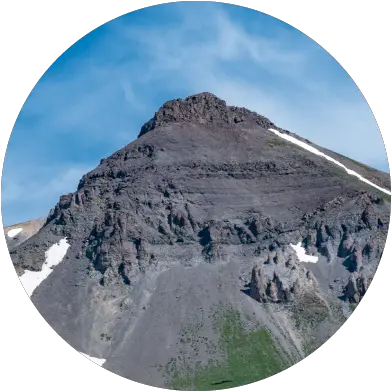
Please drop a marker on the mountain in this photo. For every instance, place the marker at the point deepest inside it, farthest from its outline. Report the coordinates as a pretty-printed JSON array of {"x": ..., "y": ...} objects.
[
  {"x": 215, "y": 250},
  {"x": 18, "y": 233}
]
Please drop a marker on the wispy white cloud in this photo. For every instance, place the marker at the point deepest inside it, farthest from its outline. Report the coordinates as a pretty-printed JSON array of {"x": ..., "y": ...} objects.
[
  {"x": 270, "y": 75},
  {"x": 94, "y": 100}
]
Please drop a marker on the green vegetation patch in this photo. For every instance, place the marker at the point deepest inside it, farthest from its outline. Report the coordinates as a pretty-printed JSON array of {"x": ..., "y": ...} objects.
[
  {"x": 250, "y": 356},
  {"x": 310, "y": 311}
]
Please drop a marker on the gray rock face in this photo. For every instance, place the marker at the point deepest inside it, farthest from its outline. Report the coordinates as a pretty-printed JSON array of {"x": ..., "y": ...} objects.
[
  {"x": 356, "y": 287},
  {"x": 204, "y": 109},
  {"x": 280, "y": 278},
  {"x": 206, "y": 193}
]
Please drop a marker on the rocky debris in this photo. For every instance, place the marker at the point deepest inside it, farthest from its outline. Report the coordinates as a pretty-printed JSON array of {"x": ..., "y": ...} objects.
[
  {"x": 356, "y": 287},
  {"x": 280, "y": 278}
]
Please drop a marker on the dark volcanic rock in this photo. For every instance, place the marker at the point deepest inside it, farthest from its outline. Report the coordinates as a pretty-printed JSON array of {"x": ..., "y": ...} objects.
[
  {"x": 280, "y": 278},
  {"x": 203, "y": 109},
  {"x": 356, "y": 287},
  {"x": 205, "y": 199},
  {"x": 211, "y": 176},
  {"x": 338, "y": 232}
]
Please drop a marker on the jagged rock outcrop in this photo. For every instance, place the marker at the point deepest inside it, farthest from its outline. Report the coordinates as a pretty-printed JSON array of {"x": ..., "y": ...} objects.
[
  {"x": 349, "y": 235},
  {"x": 346, "y": 246},
  {"x": 131, "y": 213},
  {"x": 356, "y": 287},
  {"x": 280, "y": 278}
]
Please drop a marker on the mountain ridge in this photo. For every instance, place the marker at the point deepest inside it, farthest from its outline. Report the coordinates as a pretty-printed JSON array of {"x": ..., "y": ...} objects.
[
  {"x": 16, "y": 234},
  {"x": 197, "y": 227},
  {"x": 203, "y": 108},
  {"x": 208, "y": 109}
]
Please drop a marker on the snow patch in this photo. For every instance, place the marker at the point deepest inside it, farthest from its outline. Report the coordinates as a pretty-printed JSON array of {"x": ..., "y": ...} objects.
[
  {"x": 30, "y": 280},
  {"x": 319, "y": 153},
  {"x": 99, "y": 361},
  {"x": 13, "y": 232},
  {"x": 301, "y": 254}
]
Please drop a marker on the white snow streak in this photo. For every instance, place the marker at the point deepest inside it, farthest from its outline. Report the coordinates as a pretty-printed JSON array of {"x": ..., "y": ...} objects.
[
  {"x": 13, "y": 232},
  {"x": 301, "y": 254},
  {"x": 317, "y": 152},
  {"x": 30, "y": 280},
  {"x": 99, "y": 361}
]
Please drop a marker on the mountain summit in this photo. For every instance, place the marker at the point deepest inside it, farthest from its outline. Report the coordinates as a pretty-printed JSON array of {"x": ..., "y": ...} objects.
[
  {"x": 205, "y": 109},
  {"x": 215, "y": 250}
]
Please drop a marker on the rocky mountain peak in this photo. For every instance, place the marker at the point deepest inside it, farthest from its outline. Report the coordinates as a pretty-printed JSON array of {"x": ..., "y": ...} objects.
[
  {"x": 203, "y": 108},
  {"x": 207, "y": 224}
]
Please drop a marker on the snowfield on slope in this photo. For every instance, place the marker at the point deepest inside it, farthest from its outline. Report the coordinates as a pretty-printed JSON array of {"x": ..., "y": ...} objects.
[
  {"x": 99, "y": 361},
  {"x": 13, "y": 232},
  {"x": 301, "y": 254},
  {"x": 31, "y": 280},
  {"x": 319, "y": 153}
]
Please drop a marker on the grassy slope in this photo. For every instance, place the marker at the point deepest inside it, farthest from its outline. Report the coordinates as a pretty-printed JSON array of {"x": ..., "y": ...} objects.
[{"x": 251, "y": 356}]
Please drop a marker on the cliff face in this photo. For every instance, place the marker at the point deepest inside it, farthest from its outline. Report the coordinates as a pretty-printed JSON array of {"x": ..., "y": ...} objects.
[{"x": 198, "y": 217}]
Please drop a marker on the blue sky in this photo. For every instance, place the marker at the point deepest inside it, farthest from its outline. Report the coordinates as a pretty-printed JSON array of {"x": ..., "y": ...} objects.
[{"x": 96, "y": 96}]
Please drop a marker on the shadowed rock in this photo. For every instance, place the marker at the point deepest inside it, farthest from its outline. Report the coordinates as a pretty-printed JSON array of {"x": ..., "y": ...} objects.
[
  {"x": 356, "y": 287},
  {"x": 280, "y": 278}
]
